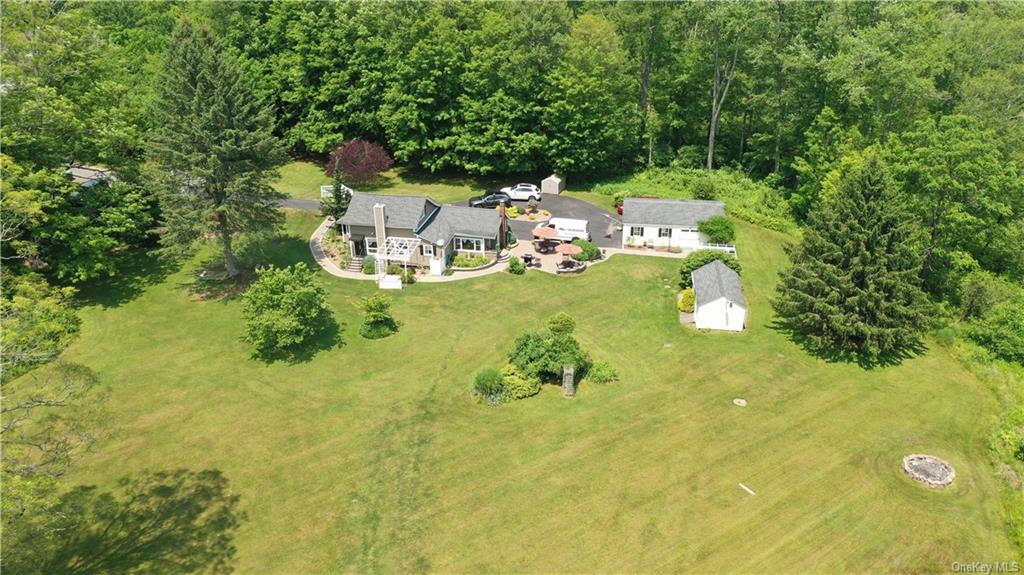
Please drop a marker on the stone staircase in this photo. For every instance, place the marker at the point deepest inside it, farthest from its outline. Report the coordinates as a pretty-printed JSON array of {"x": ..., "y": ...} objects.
[{"x": 355, "y": 264}]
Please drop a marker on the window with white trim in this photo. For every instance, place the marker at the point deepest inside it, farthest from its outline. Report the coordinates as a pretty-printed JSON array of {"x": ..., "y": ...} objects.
[
  {"x": 427, "y": 250},
  {"x": 469, "y": 245},
  {"x": 636, "y": 231},
  {"x": 371, "y": 245},
  {"x": 664, "y": 232}
]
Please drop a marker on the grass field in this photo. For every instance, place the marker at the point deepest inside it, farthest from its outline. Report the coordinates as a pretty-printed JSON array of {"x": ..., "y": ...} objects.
[
  {"x": 302, "y": 180},
  {"x": 371, "y": 458}
]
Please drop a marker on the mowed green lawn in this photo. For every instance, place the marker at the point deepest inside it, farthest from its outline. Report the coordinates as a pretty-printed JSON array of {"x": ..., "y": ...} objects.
[
  {"x": 302, "y": 180},
  {"x": 371, "y": 457}
]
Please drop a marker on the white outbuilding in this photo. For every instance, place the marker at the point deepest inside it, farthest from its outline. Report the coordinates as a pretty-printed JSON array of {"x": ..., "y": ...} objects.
[
  {"x": 663, "y": 224},
  {"x": 719, "y": 298},
  {"x": 552, "y": 184}
]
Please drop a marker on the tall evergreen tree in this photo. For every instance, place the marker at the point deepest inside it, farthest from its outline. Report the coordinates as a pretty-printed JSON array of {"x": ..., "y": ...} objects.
[
  {"x": 336, "y": 205},
  {"x": 854, "y": 285},
  {"x": 213, "y": 140}
]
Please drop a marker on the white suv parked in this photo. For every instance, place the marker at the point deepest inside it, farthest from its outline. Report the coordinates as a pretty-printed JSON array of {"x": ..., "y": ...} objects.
[{"x": 523, "y": 192}]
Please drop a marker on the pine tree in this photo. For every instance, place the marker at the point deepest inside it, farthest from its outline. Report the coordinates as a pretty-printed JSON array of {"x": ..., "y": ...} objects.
[
  {"x": 336, "y": 205},
  {"x": 214, "y": 144},
  {"x": 854, "y": 286}
]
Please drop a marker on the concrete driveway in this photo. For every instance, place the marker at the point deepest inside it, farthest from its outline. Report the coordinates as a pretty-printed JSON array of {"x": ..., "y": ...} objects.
[{"x": 602, "y": 224}]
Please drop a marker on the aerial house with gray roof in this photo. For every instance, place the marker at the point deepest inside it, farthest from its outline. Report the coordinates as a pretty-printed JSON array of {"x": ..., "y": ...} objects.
[
  {"x": 668, "y": 224},
  {"x": 417, "y": 231}
]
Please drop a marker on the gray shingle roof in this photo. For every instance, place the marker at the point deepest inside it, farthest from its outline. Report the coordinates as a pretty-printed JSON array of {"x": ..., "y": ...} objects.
[
  {"x": 682, "y": 213},
  {"x": 403, "y": 212},
  {"x": 450, "y": 221},
  {"x": 716, "y": 280}
]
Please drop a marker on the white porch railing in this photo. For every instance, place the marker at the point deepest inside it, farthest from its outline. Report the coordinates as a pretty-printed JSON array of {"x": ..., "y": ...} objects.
[{"x": 729, "y": 248}]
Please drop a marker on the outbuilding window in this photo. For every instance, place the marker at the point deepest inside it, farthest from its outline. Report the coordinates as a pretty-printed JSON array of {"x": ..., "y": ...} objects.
[
  {"x": 637, "y": 231},
  {"x": 664, "y": 232},
  {"x": 427, "y": 249}
]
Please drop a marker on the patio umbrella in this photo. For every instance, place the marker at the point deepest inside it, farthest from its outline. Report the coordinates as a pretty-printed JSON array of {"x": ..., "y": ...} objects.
[
  {"x": 545, "y": 232},
  {"x": 568, "y": 249}
]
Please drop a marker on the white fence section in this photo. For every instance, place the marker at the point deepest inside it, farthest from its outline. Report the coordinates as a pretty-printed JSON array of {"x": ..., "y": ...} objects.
[{"x": 729, "y": 248}]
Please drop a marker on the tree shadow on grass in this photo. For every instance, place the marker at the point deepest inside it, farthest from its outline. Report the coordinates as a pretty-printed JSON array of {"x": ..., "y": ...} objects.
[
  {"x": 210, "y": 282},
  {"x": 165, "y": 522},
  {"x": 137, "y": 271},
  {"x": 280, "y": 251},
  {"x": 328, "y": 336},
  {"x": 835, "y": 355}
]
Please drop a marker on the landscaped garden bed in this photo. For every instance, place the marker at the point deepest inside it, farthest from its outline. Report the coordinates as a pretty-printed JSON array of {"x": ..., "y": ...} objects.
[
  {"x": 336, "y": 248},
  {"x": 465, "y": 263},
  {"x": 528, "y": 214}
]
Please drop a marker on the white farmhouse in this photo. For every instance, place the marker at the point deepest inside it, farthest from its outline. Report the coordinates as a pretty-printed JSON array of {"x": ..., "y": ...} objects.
[
  {"x": 656, "y": 223},
  {"x": 719, "y": 298}
]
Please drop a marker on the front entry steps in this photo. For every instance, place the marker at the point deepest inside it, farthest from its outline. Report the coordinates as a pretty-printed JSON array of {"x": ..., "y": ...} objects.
[{"x": 355, "y": 264}]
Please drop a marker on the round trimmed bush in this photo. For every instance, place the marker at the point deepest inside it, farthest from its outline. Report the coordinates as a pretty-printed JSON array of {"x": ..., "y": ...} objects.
[
  {"x": 687, "y": 301},
  {"x": 517, "y": 385},
  {"x": 561, "y": 323}
]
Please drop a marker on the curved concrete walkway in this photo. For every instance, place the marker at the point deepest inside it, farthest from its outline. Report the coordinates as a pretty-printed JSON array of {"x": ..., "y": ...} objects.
[{"x": 332, "y": 268}]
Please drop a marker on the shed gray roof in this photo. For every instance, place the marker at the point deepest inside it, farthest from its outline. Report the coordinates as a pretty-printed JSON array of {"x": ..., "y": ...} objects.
[
  {"x": 450, "y": 221},
  {"x": 680, "y": 213},
  {"x": 402, "y": 212},
  {"x": 717, "y": 280}
]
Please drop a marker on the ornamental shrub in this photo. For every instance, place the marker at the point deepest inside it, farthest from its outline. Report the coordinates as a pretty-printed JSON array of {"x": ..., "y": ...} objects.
[
  {"x": 515, "y": 266},
  {"x": 512, "y": 212},
  {"x": 409, "y": 276},
  {"x": 465, "y": 261},
  {"x": 517, "y": 385},
  {"x": 718, "y": 229},
  {"x": 489, "y": 386},
  {"x": 377, "y": 319},
  {"x": 543, "y": 354},
  {"x": 283, "y": 308},
  {"x": 590, "y": 251},
  {"x": 701, "y": 258},
  {"x": 369, "y": 265},
  {"x": 561, "y": 323},
  {"x": 687, "y": 301},
  {"x": 602, "y": 372}
]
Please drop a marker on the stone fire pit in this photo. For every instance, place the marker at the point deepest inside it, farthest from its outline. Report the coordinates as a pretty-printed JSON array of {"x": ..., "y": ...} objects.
[{"x": 929, "y": 470}]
